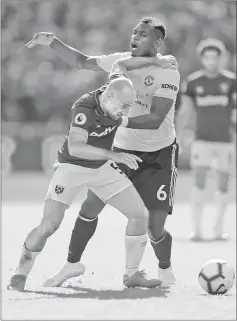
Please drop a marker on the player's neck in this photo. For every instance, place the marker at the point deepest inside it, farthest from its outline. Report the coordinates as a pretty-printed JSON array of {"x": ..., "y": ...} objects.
[{"x": 213, "y": 74}]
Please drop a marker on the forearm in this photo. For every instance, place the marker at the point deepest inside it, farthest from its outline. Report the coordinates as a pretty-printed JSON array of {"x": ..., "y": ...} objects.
[
  {"x": 90, "y": 152},
  {"x": 71, "y": 55},
  {"x": 150, "y": 121},
  {"x": 133, "y": 63}
]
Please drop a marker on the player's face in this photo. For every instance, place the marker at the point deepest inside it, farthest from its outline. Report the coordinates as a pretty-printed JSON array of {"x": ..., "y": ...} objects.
[
  {"x": 143, "y": 41},
  {"x": 119, "y": 105},
  {"x": 211, "y": 60}
]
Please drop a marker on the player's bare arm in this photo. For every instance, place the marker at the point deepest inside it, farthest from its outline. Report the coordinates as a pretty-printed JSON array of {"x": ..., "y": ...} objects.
[
  {"x": 159, "y": 110},
  {"x": 77, "y": 59},
  {"x": 132, "y": 63},
  {"x": 72, "y": 56},
  {"x": 78, "y": 147}
]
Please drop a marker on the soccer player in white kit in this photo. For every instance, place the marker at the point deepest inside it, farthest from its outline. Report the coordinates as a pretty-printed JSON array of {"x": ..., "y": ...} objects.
[{"x": 153, "y": 111}]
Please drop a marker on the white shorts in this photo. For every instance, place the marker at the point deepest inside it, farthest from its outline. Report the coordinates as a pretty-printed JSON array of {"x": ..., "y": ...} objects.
[
  {"x": 212, "y": 155},
  {"x": 68, "y": 180}
]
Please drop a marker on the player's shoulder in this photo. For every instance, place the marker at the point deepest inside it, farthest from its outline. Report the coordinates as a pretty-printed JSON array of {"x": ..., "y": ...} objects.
[
  {"x": 87, "y": 100},
  {"x": 168, "y": 73},
  {"x": 195, "y": 76},
  {"x": 228, "y": 74}
]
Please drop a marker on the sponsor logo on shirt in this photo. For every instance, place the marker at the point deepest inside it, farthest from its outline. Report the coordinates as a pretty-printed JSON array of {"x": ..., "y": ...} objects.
[
  {"x": 169, "y": 86},
  {"x": 107, "y": 131},
  {"x": 212, "y": 101}
]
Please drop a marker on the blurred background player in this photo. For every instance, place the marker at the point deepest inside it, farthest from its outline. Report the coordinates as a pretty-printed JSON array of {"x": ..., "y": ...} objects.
[
  {"x": 86, "y": 160},
  {"x": 156, "y": 92},
  {"x": 209, "y": 98}
]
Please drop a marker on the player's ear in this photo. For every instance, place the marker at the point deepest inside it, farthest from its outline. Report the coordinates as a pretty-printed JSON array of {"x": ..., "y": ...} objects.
[{"x": 157, "y": 43}]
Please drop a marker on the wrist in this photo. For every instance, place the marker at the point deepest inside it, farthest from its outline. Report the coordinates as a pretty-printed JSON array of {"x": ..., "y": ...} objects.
[
  {"x": 109, "y": 155},
  {"x": 124, "y": 121}
]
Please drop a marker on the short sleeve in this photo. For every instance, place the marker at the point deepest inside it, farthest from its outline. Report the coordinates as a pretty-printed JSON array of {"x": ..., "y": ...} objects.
[
  {"x": 168, "y": 84},
  {"x": 81, "y": 117},
  {"x": 106, "y": 61}
]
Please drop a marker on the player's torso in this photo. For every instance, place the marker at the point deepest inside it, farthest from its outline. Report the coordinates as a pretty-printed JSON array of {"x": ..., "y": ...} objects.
[
  {"x": 145, "y": 140},
  {"x": 213, "y": 106},
  {"x": 98, "y": 136}
]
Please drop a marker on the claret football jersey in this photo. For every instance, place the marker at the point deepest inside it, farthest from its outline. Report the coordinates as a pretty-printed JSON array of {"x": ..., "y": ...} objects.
[{"x": 212, "y": 98}]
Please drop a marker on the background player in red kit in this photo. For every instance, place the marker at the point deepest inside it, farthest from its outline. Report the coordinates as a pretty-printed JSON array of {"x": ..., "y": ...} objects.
[
  {"x": 86, "y": 160},
  {"x": 210, "y": 93}
]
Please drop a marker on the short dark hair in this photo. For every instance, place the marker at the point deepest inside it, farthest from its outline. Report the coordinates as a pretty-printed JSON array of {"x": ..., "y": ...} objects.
[
  {"x": 158, "y": 26},
  {"x": 211, "y": 44}
]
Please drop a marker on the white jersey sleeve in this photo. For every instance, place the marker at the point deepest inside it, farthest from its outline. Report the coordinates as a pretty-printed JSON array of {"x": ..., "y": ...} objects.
[
  {"x": 167, "y": 83},
  {"x": 106, "y": 62}
]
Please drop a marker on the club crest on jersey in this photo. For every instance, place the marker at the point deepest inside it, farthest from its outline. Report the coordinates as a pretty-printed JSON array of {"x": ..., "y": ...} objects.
[
  {"x": 80, "y": 119},
  {"x": 149, "y": 80},
  {"x": 59, "y": 189},
  {"x": 224, "y": 87},
  {"x": 199, "y": 90}
]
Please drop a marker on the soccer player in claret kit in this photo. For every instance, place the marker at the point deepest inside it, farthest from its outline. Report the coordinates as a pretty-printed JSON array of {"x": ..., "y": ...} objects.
[
  {"x": 86, "y": 160},
  {"x": 156, "y": 92},
  {"x": 210, "y": 95}
]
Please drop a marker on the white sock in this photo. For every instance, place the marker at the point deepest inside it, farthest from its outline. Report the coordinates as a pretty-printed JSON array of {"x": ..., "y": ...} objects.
[
  {"x": 26, "y": 262},
  {"x": 135, "y": 246},
  {"x": 222, "y": 203},
  {"x": 198, "y": 203}
]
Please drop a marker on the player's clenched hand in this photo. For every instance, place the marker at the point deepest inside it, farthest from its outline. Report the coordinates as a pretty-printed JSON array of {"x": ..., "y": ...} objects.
[
  {"x": 167, "y": 61},
  {"x": 41, "y": 38},
  {"x": 128, "y": 159}
]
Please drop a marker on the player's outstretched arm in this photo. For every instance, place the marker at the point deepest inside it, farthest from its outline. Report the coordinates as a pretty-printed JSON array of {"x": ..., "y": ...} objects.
[{"x": 72, "y": 56}]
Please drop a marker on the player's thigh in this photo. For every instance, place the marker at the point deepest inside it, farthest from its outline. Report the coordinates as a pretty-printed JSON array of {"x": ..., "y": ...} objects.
[
  {"x": 53, "y": 213},
  {"x": 156, "y": 182},
  {"x": 129, "y": 203},
  {"x": 92, "y": 205},
  {"x": 201, "y": 154},
  {"x": 67, "y": 181}
]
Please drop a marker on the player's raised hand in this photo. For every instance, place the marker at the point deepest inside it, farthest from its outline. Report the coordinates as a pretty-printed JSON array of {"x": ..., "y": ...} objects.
[
  {"x": 167, "y": 61},
  {"x": 128, "y": 159},
  {"x": 41, "y": 38}
]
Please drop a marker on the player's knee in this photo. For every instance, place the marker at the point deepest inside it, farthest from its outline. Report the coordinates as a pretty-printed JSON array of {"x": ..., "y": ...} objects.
[
  {"x": 49, "y": 227},
  {"x": 52, "y": 217},
  {"x": 156, "y": 224},
  {"x": 91, "y": 208},
  {"x": 140, "y": 213}
]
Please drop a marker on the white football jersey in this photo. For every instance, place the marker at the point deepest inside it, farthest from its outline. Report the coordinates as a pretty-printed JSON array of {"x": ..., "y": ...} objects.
[{"x": 148, "y": 82}]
